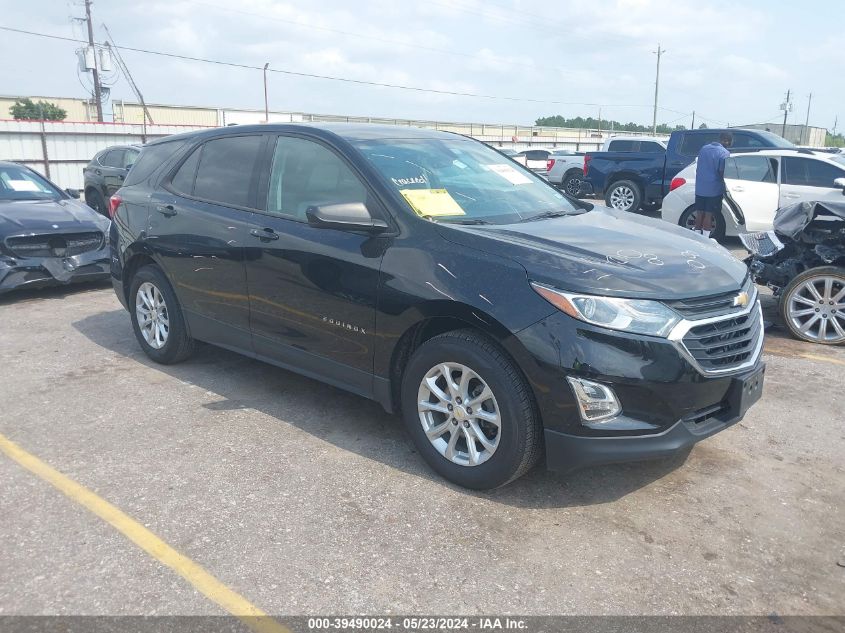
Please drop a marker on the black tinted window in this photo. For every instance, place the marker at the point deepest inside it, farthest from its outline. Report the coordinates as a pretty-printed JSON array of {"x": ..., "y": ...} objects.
[
  {"x": 152, "y": 157},
  {"x": 536, "y": 154},
  {"x": 621, "y": 146},
  {"x": 692, "y": 143},
  {"x": 747, "y": 141},
  {"x": 226, "y": 167},
  {"x": 183, "y": 180},
  {"x": 809, "y": 172},
  {"x": 113, "y": 158},
  {"x": 130, "y": 157},
  {"x": 751, "y": 168},
  {"x": 651, "y": 147},
  {"x": 305, "y": 174}
]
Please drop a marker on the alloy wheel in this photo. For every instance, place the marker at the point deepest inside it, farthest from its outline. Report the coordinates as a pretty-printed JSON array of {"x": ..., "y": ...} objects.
[
  {"x": 151, "y": 313},
  {"x": 622, "y": 198},
  {"x": 816, "y": 309},
  {"x": 459, "y": 414},
  {"x": 573, "y": 186}
]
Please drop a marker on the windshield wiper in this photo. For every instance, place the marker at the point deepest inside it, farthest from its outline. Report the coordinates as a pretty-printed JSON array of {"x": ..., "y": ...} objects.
[
  {"x": 546, "y": 214},
  {"x": 466, "y": 221}
]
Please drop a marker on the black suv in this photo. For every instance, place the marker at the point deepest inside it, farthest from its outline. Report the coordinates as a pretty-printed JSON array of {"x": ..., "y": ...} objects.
[
  {"x": 105, "y": 174},
  {"x": 431, "y": 273}
]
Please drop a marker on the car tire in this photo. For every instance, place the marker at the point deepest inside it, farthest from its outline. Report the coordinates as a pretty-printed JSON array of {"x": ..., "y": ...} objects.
[
  {"x": 95, "y": 200},
  {"x": 507, "y": 418},
  {"x": 804, "y": 314},
  {"x": 623, "y": 195},
  {"x": 157, "y": 317},
  {"x": 687, "y": 220},
  {"x": 572, "y": 183}
]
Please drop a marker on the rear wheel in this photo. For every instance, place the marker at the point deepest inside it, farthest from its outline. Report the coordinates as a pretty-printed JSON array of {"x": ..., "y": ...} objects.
[
  {"x": 713, "y": 222},
  {"x": 157, "y": 317},
  {"x": 812, "y": 305},
  {"x": 623, "y": 195},
  {"x": 573, "y": 182},
  {"x": 469, "y": 411}
]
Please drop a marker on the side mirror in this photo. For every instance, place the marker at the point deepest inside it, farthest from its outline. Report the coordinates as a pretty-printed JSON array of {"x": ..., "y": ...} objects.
[
  {"x": 348, "y": 216},
  {"x": 73, "y": 193},
  {"x": 839, "y": 183}
]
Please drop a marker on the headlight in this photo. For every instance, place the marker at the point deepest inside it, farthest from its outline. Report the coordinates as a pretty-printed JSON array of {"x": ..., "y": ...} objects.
[{"x": 638, "y": 316}]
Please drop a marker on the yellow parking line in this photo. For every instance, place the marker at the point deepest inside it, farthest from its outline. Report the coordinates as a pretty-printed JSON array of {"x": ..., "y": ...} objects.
[
  {"x": 203, "y": 581},
  {"x": 823, "y": 359}
]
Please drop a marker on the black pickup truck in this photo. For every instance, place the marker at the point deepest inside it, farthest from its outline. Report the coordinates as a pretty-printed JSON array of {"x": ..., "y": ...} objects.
[{"x": 631, "y": 180}]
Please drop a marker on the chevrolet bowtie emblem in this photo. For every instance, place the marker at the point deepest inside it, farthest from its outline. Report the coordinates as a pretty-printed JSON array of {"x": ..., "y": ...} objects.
[{"x": 741, "y": 300}]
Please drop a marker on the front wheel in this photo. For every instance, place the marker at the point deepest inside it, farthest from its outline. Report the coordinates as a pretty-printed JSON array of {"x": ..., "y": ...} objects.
[
  {"x": 812, "y": 306},
  {"x": 470, "y": 411},
  {"x": 712, "y": 222},
  {"x": 623, "y": 195}
]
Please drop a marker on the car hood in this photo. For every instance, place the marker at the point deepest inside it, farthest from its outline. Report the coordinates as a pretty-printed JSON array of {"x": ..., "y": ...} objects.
[
  {"x": 19, "y": 217},
  {"x": 610, "y": 253}
]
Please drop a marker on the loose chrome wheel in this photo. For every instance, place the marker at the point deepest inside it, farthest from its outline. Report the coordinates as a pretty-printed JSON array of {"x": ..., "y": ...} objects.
[
  {"x": 151, "y": 312},
  {"x": 459, "y": 414},
  {"x": 814, "y": 306}
]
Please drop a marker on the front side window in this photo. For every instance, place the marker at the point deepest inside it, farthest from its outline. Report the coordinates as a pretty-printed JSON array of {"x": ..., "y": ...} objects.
[
  {"x": 808, "y": 172},
  {"x": 461, "y": 180},
  {"x": 19, "y": 183},
  {"x": 305, "y": 174},
  {"x": 129, "y": 158},
  {"x": 225, "y": 170}
]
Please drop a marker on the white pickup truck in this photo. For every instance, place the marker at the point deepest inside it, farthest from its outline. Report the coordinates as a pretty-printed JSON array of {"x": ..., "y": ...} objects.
[{"x": 565, "y": 169}]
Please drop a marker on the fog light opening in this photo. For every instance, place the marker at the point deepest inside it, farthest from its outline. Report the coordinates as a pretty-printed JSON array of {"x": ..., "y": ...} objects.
[{"x": 596, "y": 402}]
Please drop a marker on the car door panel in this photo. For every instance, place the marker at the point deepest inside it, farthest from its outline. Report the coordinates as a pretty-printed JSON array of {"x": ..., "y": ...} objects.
[
  {"x": 808, "y": 179},
  {"x": 200, "y": 242},
  {"x": 751, "y": 184},
  {"x": 313, "y": 290}
]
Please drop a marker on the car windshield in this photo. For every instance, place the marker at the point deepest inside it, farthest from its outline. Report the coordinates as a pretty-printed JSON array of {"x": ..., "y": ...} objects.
[
  {"x": 19, "y": 183},
  {"x": 462, "y": 181},
  {"x": 775, "y": 140}
]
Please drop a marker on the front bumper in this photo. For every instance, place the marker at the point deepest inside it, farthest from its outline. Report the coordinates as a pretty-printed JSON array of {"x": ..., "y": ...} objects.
[
  {"x": 36, "y": 272},
  {"x": 668, "y": 403}
]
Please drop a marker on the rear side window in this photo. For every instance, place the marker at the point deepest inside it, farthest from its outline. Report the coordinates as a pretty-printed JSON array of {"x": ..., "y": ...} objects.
[
  {"x": 692, "y": 143},
  {"x": 152, "y": 157},
  {"x": 746, "y": 140},
  {"x": 129, "y": 158},
  {"x": 621, "y": 146},
  {"x": 651, "y": 147},
  {"x": 183, "y": 180},
  {"x": 225, "y": 171},
  {"x": 113, "y": 158},
  {"x": 751, "y": 169},
  {"x": 809, "y": 173}
]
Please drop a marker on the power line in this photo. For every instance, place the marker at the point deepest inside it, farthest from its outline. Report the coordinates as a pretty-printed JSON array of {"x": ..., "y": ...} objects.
[
  {"x": 406, "y": 44},
  {"x": 341, "y": 79}
]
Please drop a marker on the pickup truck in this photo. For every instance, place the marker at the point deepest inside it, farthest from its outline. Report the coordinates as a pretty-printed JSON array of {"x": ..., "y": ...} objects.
[
  {"x": 565, "y": 170},
  {"x": 629, "y": 181}
]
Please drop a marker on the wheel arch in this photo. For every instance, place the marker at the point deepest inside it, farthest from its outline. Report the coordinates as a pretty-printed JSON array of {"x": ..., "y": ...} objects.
[{"x": 633, "y": 176}]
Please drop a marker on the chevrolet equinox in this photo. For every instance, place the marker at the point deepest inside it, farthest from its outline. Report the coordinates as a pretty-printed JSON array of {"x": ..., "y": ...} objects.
[{"x": 431, "y": 273}]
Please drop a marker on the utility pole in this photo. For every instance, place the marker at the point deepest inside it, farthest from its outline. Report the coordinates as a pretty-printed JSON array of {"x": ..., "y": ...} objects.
[
  {"x": 693, "y": 120},
  {"x": 659, "y": 52},
  {"x": 807, "y": 121},
  {"x": 266, "y": 103},
  {"x": 786, "y": 107},
  {"x": 97, "y": 93}
]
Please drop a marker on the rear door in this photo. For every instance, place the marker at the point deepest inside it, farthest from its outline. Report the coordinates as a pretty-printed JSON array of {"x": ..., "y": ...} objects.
[
  {"x": 313, "y": 290},
  {"x": 751, "y": 182},
  {"x": 806, "y": 179},
  {"x": 198, "y": 227}
]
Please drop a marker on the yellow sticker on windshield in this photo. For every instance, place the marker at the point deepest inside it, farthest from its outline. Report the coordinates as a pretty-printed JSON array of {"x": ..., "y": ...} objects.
[{"x": 432, "y": 202}]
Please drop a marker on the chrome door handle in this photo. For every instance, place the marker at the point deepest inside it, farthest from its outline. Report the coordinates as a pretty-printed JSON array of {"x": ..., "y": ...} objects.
[
  {"x": 740, "y": 189},
  {"x": 264, "y": 234},
  {"x": 166, "y": 210}
]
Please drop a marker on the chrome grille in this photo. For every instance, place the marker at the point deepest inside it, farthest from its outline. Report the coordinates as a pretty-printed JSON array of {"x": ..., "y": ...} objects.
[
  {"x": 55, "y": 244},
  {"x": 725, "y": 344}
]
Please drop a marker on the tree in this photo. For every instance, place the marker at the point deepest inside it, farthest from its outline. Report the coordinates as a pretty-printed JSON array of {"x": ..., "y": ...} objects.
[
  {"x": 25, "y": 109},
  {"x": 834, "y": 140},
  {"x": 591, "y": 124},
  {"x": 703, "y": 126}
]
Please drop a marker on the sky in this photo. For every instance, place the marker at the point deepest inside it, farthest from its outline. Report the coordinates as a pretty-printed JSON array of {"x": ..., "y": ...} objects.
[{"x": 729, "y": 61}]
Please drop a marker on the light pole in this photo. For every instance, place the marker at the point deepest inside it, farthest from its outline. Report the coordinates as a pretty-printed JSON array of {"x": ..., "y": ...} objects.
[
  {"x": 659, "y": 52},
  {"x": 266, "y": 104}
]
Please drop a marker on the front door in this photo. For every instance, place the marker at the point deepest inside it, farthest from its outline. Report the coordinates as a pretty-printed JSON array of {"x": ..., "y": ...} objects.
[
  {"x": 113, "y": 170},
  {"x": 808, "y": 179},
  {"x": 198, "y": 226},
  {"x": 313, "y": 291},
  {"x": 751, "y": 181}
]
